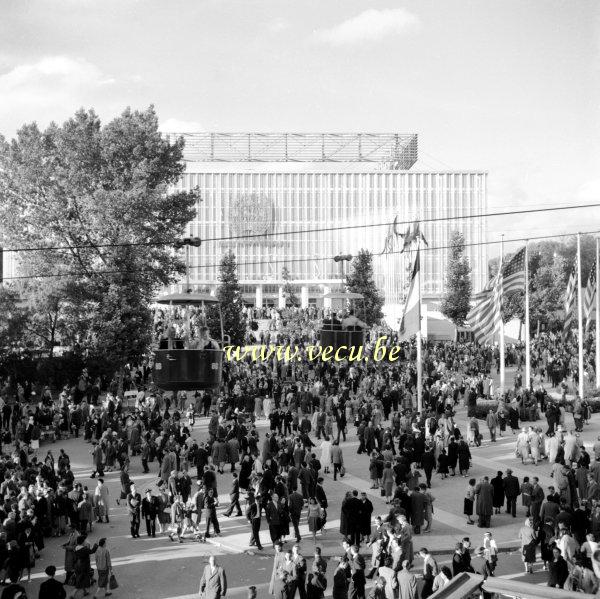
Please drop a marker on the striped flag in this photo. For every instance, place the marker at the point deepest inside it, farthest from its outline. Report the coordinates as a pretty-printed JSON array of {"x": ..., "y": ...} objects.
[
  {"x": 513, "y": 274},
  {"x": 411, "y": 318},
  {"x": 589, "y": 298},
  {"x": 569, "y": 304},
  {"x": 485, "y": 317}
]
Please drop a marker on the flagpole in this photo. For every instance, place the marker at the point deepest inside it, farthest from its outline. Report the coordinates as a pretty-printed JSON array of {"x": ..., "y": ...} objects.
[
  {"x": 419, "y": 340},
  {"x": 502, "y": 350},
  {"x": 580, "y": 315},
  {"x": 527, "y": 339},
  {"x": 597, "y": 311}
]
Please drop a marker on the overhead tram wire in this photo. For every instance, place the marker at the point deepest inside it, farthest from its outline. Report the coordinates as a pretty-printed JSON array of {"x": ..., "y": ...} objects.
[
  {"x": 304, "y": 231},
  {"x": 296, "y": 260}
]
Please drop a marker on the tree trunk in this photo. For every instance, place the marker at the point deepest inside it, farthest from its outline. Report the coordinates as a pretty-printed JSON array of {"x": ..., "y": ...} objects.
[{"x": 120, "y": 378}]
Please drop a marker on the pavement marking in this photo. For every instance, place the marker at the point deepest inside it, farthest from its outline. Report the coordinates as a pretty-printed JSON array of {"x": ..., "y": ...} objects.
[{"x": 545, "y": 480}]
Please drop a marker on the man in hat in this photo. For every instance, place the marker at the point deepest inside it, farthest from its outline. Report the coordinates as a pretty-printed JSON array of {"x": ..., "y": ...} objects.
[
  {"x": 512, "y": 489},
  {"x": 150, "y": 509},
  {"x": 51, "y": 588}
]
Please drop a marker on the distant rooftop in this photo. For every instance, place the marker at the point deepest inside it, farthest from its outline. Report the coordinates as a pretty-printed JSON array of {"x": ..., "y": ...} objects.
[{"x": 396, "y": 150}]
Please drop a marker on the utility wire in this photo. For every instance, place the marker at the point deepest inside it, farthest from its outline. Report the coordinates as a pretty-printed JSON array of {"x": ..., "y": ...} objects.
[
  {"x": 295, "y": 260},
  {"x": 304, "y": 231}
]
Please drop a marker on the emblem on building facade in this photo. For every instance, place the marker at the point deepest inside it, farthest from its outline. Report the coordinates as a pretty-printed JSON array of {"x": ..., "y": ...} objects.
[{"x": 251, "y": 214}]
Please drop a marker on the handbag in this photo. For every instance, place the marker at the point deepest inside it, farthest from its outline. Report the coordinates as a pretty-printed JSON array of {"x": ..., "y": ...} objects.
[
  {"x": 382, "y": 492},
  {"x": 342, "y": 471},
  {"x": 112, "y": 582}
]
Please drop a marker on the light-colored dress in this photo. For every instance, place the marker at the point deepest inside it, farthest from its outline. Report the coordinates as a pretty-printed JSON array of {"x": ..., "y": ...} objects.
[
  {"x": 325, "y": 453},
  {"x": 267, "y": 406}
]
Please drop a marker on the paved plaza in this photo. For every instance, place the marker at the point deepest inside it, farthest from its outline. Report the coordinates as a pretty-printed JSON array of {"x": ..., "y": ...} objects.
[{"x": 158, "y": 568}]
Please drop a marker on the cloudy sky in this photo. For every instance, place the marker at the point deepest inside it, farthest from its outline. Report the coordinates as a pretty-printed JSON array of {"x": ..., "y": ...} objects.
[{"x": 509, "y": 87}]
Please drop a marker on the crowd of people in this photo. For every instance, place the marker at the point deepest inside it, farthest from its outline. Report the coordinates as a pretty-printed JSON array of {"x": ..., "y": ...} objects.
[{"x": 311, "y": 407}]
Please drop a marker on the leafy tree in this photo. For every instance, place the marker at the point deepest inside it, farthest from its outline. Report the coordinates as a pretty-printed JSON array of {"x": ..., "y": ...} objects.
[
  {"x": 101, "y": 192},
  {"x": 547, "y": 292},
  {"x": 362, "y": 280},
  {"x": 457, "y": 299},
  {"x": 288, "y": 288},
  {"x": 229, "y": 294},
  {"x": 13, "y": 320}
]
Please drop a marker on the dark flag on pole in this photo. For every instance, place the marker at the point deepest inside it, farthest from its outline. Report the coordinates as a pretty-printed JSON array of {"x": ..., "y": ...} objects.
[
  {"x": 390, "y": 238},
  {"x": 413, "y": 235}
]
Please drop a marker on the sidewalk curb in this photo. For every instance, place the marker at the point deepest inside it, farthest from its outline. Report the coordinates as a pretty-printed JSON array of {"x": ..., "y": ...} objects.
[{"x": 326, "y": 551}]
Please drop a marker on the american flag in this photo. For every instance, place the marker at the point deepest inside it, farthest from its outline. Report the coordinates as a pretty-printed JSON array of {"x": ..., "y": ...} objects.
[
  {"x": 570, "y": 302},
  {"x": 484, "y": 317},
  {"x": 589, "y": 298},
  {"x": 513, "y": 274}
]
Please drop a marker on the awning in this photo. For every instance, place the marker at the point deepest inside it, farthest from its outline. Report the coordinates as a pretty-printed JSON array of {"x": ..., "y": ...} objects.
[{"x": 186, "y": 298}]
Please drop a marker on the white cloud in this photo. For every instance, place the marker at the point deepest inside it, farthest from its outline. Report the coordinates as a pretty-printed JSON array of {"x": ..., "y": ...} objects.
[
  {"x": 50, "y": 89},
  {"x": 278, "y": 25},
  {"x": 177, "y": 126},
  {"x": 589, "y": 191},
  {"x": 370, "y": 25}
]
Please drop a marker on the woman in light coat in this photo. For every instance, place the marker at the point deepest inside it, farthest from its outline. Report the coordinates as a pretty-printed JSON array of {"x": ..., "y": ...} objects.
[{"x": 326, "y": 454}]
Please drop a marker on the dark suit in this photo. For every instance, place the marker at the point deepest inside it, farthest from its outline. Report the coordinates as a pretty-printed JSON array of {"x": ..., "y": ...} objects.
[
  {"x": 253, "y": 515},
  {"x": 340, "y": 584},
  {"x": 52, "y": 589},
  {"x": 213, "y": 583},
  {"x": 537, "y": 496},
  {"x": 134, "y": 505},
  {"x": 149, "y": 513},
  {"x": 296, "y": 503},
  {"x": 234, "y": 497},
  {"x": 512, "y": 490}
]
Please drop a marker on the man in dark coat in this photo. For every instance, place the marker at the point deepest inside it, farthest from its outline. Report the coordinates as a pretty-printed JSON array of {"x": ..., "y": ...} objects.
[
  {"x": 428, "y": 463},
  {"x": 353, "y": 508},
  {"x": 537, "y": 497},
  {"x": 365, "y": 512},
  {"x": 234, "y": 497},
  {"x": 272, "y": 516},
  {"x": 134, "y": 506},
  {"x": 51, "y": 588},
  {"x": 417, "y": 503},
  {"x": 295, "y": 504},
  {"x": 485, "y": 501},
  {"x": 253, "y": 514},
  {"x": 512, "y": 489},
  {"x": 150, "y": 509}
]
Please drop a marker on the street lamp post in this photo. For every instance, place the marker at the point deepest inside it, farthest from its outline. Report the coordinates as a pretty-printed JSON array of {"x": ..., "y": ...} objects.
[
  {"x": 187, "y": 242},
  {"x": 342, "y": 259}
]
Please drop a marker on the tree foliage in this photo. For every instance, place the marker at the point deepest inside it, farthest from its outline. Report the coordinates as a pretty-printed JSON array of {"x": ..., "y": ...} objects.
[
  {"x": 289, "y": 292},
  {"x": 547, "y": 292},
  {"x": 229, "y": 294},
  {"x": 361, "y": 279},
  {"x": 101, "y": 192},
  {"x": 550, "y": 264},
  {"x": 457, "y": 299}
]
